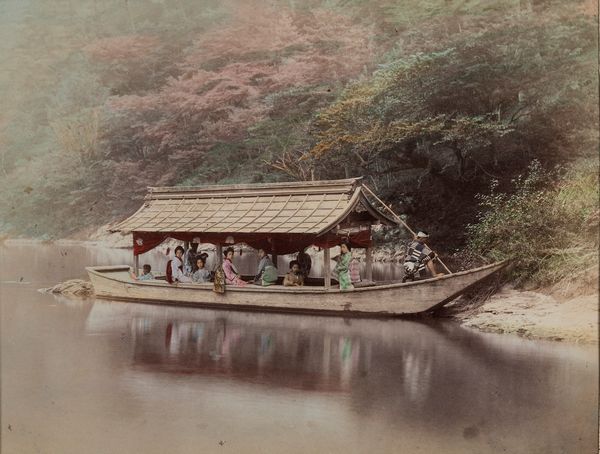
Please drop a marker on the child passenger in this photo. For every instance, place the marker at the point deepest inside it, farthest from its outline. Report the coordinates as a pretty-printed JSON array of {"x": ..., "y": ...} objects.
[
  {"x": 146, "y": 275},
  {"x": 294, "y": 277}
]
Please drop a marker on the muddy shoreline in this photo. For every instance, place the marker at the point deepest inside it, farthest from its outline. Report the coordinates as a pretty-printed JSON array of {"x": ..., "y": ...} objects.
[{"x": 533, "y": 314}]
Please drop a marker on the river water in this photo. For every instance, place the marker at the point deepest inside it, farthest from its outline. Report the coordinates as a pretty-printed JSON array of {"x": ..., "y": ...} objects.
[{"x": 94, "y": 376}]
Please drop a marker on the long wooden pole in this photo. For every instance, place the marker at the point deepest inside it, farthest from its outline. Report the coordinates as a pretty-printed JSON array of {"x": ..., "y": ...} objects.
[{"x": 401, "y": 221}]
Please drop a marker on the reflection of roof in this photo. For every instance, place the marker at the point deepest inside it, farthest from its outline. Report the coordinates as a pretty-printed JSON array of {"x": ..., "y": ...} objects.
[{"x": 312, "y": 207}]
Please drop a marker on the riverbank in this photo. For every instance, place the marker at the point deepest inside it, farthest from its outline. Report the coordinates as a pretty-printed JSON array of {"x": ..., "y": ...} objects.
[
  {"x": 103, "y": 236},
  {"x": 567, "y": 311}
]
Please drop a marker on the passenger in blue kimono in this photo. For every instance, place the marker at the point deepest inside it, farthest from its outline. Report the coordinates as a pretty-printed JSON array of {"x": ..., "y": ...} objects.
[
  {"x": 146, "y": 275},
  {"x": 201, "y": 274}
]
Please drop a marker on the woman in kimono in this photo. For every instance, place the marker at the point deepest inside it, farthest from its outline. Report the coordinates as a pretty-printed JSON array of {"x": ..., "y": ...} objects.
[
  {"x": 305, "y": 262},
  {"x": 189, "y": 259},
  {"x": 266, "y": 274},
  {"x": 201, "y": 274},
  {"x": 232, "y": 276},
  {"x": 343, "y": 267},
  {"x": 175, "y": 268}
]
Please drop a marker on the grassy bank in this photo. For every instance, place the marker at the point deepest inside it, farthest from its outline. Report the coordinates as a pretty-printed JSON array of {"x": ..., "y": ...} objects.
[{"x": 548, "y": 226}]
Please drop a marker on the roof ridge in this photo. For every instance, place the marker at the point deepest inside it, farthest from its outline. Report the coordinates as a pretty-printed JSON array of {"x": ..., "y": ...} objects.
[{"x": 255, "y": 186}]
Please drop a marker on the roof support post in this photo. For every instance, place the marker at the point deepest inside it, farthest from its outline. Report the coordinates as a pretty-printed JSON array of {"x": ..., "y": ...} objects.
[
  {"x": 218, "y": 255},
  {"x": 327, "y": 267},
  {"x": 136, "y": 264},
  {"x": 369, "y": 264},
  {"x": 274, "y": 258}
]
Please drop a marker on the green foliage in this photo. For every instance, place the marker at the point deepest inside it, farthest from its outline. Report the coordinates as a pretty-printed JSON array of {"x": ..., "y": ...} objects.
[
  {"x": 486, "y": 99},
  {"x": 433, "y": 128},
  {"x": 429, "y": 100},
  {"x": 548, "y": 226}
]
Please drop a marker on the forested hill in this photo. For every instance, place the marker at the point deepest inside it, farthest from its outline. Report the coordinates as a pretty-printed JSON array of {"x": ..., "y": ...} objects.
[{"x": 433, "y": 101}]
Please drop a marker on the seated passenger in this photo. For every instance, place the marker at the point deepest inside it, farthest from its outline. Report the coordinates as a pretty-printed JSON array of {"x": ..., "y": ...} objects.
[
  {"x": 146, "y": 275},
  {"x": 293, "y": 278},
  {"x": 304, "y": 262},
  {"x": 175, "y": 268},
  {"x": 201, "y": 274},
  {"x": 204, "y": 257},
  {"x": 189, "y": 259},
  {"x": 266, "y": 274},
  {"x": 231, "y": 273}
]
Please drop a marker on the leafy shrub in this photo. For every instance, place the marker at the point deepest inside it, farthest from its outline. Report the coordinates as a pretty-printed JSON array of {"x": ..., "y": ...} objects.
[{"x": 548, "y": 226}]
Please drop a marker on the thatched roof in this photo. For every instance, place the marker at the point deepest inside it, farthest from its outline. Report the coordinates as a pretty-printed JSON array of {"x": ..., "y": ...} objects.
[{"x": 307, "y": 207}]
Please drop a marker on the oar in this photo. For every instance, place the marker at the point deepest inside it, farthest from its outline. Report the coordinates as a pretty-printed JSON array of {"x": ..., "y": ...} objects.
[{"x": 401, "y": 221}]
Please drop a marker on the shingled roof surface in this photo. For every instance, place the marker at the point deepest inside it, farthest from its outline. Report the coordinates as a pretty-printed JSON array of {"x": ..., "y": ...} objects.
[{"x": 311, "y": 207}]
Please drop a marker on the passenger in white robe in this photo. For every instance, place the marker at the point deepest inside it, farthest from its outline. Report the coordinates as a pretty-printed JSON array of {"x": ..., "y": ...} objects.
[{"x": 177, "y": 267}]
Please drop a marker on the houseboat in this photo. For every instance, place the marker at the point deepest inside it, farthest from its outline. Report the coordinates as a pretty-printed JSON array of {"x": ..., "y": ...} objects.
[{"x": 282, "y": 218}]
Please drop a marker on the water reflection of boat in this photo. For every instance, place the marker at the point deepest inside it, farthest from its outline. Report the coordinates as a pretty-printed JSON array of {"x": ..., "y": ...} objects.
[
  {"x": 436, "y": 378},
  {"x": 283, "y": 218},
  {"x": 277, "y": 356},
  {"x": 276, "y": 350},
  {"x": 316, "y": 354}
]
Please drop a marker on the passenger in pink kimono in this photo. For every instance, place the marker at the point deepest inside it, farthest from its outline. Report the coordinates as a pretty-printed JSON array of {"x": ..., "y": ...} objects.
[{"x": 232, "y": 277}]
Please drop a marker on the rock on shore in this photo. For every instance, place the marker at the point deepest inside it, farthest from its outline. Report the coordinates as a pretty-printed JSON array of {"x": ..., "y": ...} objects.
[{"x": 73, "y": 287}]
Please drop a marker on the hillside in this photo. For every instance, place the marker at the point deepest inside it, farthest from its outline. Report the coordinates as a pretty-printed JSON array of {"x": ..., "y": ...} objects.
[{"x": 434, "y": 102}]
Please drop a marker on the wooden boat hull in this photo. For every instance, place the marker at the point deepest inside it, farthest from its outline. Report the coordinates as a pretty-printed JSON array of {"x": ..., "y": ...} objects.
[{"x": 115, "y": 282}]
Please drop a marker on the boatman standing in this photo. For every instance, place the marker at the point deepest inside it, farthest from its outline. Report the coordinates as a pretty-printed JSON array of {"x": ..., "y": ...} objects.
[{"x": 418, "y": 257}]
